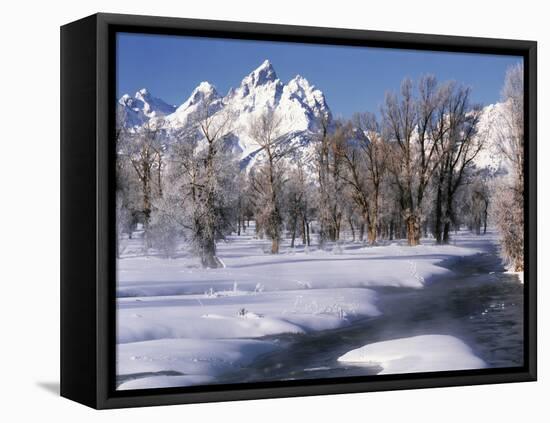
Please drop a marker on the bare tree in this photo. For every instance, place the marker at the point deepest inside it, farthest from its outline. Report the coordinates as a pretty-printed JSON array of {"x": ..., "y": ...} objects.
[
  {"x": 510, "y": 210},
  {"x": 143, "y": 149},
  {"x": 210, "y": 209},
  {"x": 511, "y": 131},
  {"x": 365, "y": 160},
  {"x": 459, "y": 146},
  {"x": 242, "y": 204},
  {"x": 329, "y": 166},
  {"x": 201, "y": 194},
  {"x": 358, "y": 188},
  {"x": 296, "y": 203},
  {"x": 268, "y": 178},
  {"x": 476, "y": 200},
  {"x": 407, "y": 123}
]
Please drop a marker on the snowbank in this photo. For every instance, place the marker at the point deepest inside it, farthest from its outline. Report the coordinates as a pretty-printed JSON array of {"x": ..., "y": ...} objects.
[
  {"x": 196, "y": 361},
  {"x": 241, "y": 315},
  {"x": 425, "y": 353},
  {"x": 247, "y": 264},
  {"x": 165, "y": 382}
]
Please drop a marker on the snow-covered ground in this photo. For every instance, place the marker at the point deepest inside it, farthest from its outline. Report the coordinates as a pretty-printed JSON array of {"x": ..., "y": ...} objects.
[
  {"x": 425, "y": 353},
  {"x": 194, "y": 323}
]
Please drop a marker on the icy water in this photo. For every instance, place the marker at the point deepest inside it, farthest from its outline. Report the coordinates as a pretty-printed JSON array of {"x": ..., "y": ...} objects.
[{"x": 478, "y": 303}]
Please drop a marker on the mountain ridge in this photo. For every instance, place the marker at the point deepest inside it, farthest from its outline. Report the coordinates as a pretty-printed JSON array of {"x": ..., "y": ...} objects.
[{"x": 300, "y": 105}]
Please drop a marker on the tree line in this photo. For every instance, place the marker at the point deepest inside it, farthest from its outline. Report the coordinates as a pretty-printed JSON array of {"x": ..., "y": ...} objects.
[{"x": 407, "y": 173}]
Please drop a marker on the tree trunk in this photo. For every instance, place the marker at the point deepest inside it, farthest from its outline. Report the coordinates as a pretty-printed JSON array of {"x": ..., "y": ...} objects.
[
  {"x": 304, "y": 236},
  {"x": 373, "y": 230},
  {"x": 413, "y": 231},
  {"x": 208, "y": 254},
  {"x": 362, "y": 231},
  {"x": 274, "y": 246},
  {"x": 371, "y": 234},
  {"x": 438, "y": 212},
  {"x": 374, "y": 219},
  {"x": 322, "y": 235},
  {"x": 146, "y": 212},
  {"x": 337, "y": 227},
  {"x": 448, "y": 219},
  {"x": 205, "y": 231},
  {"x": 446, "y": 232},
  {"x": 210, "y": 261},
  {"x": 294, "y": 225},
  {"x": 485, "y": 215},
  {"x": 350, "y": 221},
  {"x": 159, "y": 179}
]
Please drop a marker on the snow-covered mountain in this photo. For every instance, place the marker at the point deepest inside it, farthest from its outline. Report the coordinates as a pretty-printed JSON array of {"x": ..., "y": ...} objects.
[
  {"x": 299, "y": 104},
  {"x": 137, "y": 110},
  {"x": 490, "y": 127}
]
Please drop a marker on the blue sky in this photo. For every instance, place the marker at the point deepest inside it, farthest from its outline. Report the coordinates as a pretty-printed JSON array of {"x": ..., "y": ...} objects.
[{"x": 352, "y": 78}]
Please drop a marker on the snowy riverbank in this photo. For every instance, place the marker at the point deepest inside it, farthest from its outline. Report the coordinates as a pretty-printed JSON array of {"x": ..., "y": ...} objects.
[
  {"x": 425, "y": 353},
  {"x": 180, "y": 325}
]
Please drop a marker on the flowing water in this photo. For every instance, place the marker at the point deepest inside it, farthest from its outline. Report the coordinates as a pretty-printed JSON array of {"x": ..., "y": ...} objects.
[{"x": 478, "y": 304}]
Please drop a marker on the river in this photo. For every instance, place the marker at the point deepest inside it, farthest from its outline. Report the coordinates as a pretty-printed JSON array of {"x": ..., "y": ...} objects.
[{"x": 478, "y": 303}]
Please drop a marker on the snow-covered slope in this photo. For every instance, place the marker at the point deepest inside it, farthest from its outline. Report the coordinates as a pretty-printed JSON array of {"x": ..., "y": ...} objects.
[
  {"x": 137, "y": 110},
  {"x": 299, "y": 104},
  {"x": 204, "y": 95},
  {"x": 489, "y": 128}
]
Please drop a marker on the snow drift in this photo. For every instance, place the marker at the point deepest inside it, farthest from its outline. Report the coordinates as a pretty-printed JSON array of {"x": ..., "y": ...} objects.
[{"x": 425, "y": 353}]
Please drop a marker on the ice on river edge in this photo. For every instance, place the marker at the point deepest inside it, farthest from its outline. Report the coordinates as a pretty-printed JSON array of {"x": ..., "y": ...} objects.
[
  {"x": 425, "y": 353},
  {"x": 174, "y": 316}
]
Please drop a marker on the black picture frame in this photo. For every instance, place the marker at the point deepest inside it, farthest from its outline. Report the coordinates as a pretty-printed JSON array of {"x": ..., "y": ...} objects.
[{"x": 87, "y": 211}]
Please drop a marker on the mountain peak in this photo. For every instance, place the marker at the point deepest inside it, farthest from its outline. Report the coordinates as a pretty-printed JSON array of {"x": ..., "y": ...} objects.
[
  {"x": 144, "y": 106},
  {"x": 301, "y": 101},
  {"x": 125, "y": 99},
  {"x": 143, "y": 95},
  {"x": 300, "y": 82},
  {"x": 261, "y": 75},
  {"x": 205, "y": 93},
  {"x": 265, "y": 64},
  {"x": 205, "y": 90},
  {"x": 205, "y": 87}
]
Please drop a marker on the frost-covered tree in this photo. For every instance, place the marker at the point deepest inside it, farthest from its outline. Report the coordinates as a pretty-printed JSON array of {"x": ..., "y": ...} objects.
[
  {"x": 268, "y": 176},
  {"x": 123, "y": 220},
  {"x": 457, "y": 148},
  {"x": 165, "y": 231},
  {"x": 409, "y": 122},
  {"x": 509, "y": 208},
  {"x": 365, "y": 166},
  {"x": 329, "y": 150},
  {"x": 243, "y": 207},
  {"x": 511, "y": 130},
  {"x": 475, "y": 200},
  {"x": 295, "y": 203},
  {"x": 199, "y": 196},
  {"x": 142, "y": 148}
]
